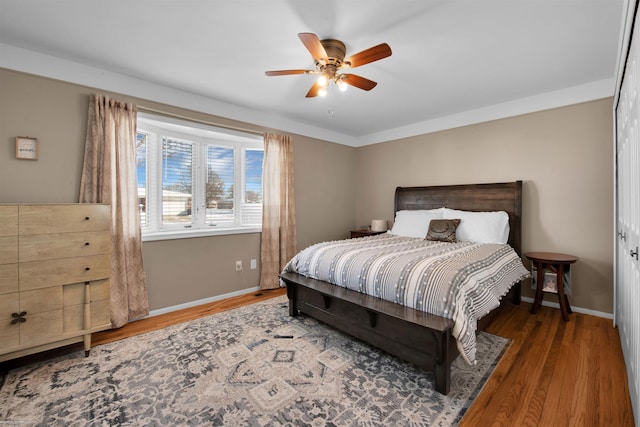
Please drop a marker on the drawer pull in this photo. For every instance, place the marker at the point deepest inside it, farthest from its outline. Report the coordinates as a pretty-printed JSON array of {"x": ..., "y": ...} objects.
[
  {"x": 327, "y": 301},
  {"x": 373, "y": 318},
  {"x": 86, "y": 218},
  {"x": 634, "y": 254},
  {"x": 87, "y": 268},
  {"x": 87, "y": 243},
  {"x": 18, "y": 317}
]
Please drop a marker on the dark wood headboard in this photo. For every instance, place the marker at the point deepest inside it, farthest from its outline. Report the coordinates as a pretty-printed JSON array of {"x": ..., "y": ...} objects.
[{"x": 506, "y": 196}]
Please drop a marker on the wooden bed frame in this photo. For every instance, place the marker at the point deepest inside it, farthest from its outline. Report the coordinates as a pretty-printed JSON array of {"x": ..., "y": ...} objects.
[{"x": 420, "y": 338}]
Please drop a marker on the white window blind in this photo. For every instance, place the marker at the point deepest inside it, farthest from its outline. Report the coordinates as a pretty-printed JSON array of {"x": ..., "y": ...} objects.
[
  {"x": 177, "y": 182},
  {"x": 195, "y": 179}
]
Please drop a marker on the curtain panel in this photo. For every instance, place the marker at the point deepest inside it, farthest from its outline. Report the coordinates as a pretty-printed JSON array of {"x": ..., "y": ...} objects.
[
  {"x": 109, "y": 176},
  {"x": 278, "y": 244}
]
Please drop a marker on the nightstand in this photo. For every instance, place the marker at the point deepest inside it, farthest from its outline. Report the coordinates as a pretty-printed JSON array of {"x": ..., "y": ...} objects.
[
  {"x": 559, "y": 262},
  {"x": 365, "y": 233}
]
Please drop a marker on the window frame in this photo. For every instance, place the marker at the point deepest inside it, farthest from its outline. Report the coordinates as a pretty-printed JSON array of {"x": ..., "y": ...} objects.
[{"x": 201, "y": 136}]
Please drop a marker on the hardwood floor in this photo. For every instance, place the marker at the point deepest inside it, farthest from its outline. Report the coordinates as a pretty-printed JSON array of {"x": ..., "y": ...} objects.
[
  {"x": 164, "y": 320},
  {"x": 554, "y": 373}
]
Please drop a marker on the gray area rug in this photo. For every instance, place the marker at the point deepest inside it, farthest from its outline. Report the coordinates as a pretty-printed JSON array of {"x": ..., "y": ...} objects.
[{"x": 252, "y": 366}]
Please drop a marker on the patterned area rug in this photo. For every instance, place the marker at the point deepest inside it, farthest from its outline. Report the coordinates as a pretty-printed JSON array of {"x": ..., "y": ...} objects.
[{"x": 252, "y": 366}]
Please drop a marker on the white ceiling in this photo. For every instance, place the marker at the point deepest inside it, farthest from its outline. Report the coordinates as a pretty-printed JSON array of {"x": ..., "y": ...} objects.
[{"x": 453, "y": 62}]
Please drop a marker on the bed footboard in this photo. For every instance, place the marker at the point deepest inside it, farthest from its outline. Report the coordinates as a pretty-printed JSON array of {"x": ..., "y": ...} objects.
[{"x": 412, "y": 335}]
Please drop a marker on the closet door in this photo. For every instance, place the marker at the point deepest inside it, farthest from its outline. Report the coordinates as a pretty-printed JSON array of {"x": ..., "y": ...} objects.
[{"x": 627, "y": 265}]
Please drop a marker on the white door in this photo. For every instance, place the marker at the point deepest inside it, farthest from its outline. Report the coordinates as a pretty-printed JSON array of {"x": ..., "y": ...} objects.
[{"x": 627, "y": 265}]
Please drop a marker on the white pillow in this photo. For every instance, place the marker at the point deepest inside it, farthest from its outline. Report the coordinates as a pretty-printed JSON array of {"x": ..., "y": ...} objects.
[
  {"x": 481, "y": 227},
  {"x": 414, "y": 223}
]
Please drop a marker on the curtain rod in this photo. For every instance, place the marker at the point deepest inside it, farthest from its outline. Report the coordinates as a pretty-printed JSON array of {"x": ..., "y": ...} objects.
[{"x": 204, "y": 122}]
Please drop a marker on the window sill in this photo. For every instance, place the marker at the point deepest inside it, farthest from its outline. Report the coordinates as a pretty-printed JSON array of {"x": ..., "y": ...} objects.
[{"x": 188, "y": 234}]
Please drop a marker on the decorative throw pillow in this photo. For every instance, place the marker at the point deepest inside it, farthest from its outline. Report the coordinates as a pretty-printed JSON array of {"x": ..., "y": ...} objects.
[{"x": 443, "y": 230}]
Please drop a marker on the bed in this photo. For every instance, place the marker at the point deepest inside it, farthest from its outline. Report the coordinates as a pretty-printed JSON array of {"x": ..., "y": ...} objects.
[{"x": 410, "y": 333}]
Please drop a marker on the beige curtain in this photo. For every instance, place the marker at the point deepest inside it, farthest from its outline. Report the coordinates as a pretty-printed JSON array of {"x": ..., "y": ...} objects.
[
  {"x": 109, "y": 176},
  {"x": 278, "y": 209}
]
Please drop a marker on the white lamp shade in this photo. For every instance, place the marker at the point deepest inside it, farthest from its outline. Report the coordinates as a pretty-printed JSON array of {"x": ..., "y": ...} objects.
[{"x": 379, "y": 225}]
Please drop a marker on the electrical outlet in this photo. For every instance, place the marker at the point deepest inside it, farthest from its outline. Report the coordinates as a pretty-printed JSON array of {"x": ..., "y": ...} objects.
[
  {"x": 238, "y": 265},
  {"x": 254, "y": 264}
]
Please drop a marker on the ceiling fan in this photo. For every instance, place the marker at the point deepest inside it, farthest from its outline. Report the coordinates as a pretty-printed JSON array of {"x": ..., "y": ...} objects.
[{"x": 329, "y": 56}]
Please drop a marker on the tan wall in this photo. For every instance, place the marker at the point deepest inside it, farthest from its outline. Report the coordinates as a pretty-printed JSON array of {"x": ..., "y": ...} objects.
[
  {"x": 563, "y": 156},
  {"x": 325, "y": 178},
  {"x": 178, "y": 271},
  {"x": 184, "y": 270},
  {"x": 56, "y": 114}
]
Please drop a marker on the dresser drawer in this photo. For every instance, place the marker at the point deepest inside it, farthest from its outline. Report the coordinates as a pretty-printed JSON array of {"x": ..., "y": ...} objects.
[
  {"x": 100, "y": 317},
  {"x": 74, "y": 294},
  {"x": 8, "y": 278},
  {"x": 38, "y": 328},
  {"x": 101, "y": 314},
  {"x": 44, "y": 219},
  {"x": 40, "y": 274},
  {"x": 41, "y": 328},
  {"x": 9, "y": 333},
  {"x": 63, "y": 245},
  {"x": 73, "y": 318},
  {"x": 41, "y": 300},
  {"x": 8, "y": 249},
  {"x": 100, "y": 303},
  {"x": 8, "y": 220},
  {"x": 100, "y": 290}
]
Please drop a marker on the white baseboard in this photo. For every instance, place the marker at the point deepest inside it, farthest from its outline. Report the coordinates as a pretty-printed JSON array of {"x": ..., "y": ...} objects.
[
  {"x": 574, "y": 309},
  {"x": 190, "y": 304},
  {"x": 165, "y": 310}
]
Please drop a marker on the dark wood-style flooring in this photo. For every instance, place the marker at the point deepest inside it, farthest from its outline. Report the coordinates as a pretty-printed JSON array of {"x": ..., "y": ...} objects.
[{"x": 554, "y": 373}]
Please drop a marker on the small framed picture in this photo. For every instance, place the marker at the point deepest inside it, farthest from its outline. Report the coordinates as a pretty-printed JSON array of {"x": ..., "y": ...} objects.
[
  {"x": 550, "y": 278},
  {"x": 26, "y": 148}
]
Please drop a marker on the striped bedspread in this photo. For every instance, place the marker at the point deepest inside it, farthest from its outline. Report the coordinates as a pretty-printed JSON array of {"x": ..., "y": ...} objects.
[{"x": 461, "y": 281}]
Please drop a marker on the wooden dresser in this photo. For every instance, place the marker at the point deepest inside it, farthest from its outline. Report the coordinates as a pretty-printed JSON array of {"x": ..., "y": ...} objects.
[{"x": 54, "y": 276}]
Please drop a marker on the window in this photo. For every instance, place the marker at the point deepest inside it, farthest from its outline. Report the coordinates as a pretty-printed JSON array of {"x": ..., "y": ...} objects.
[{"x": 196, "y": 179}]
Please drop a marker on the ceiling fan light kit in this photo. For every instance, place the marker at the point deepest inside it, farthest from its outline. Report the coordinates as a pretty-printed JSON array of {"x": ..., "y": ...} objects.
[{"x": 329, "y": 57}]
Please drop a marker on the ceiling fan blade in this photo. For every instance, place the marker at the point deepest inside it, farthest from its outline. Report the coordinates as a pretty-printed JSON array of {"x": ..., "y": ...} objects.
[
  {"x": 313, "y": 45},
  {"x": 369, "y": 55},
  {"x": 314, "y": 90},
  {"x": 359, "y": 82},
  {"x": 285, "y": 72}
]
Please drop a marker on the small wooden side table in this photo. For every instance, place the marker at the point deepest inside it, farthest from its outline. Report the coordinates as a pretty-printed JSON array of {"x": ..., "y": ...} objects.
[
  {"x": 559, "y": 261},
  {"x": 364, "y": 233}
]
